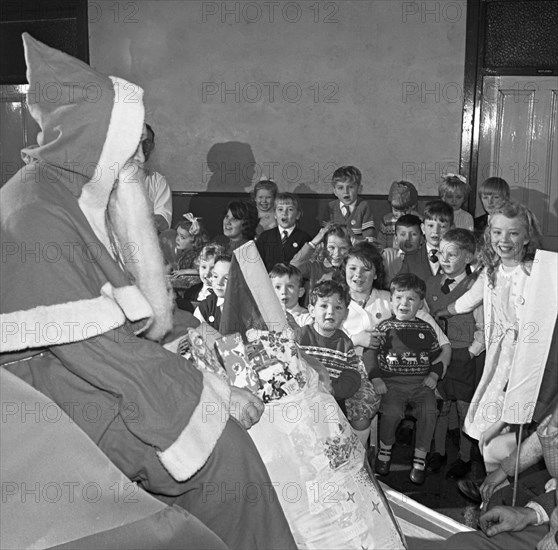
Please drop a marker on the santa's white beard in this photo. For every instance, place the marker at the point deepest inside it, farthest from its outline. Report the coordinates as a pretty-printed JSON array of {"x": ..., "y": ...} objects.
[{"x": 132, "y": 222}]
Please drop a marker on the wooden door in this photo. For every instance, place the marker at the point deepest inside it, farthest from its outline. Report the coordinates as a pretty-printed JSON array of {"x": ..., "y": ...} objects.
[{"x": 518, "y": 142}]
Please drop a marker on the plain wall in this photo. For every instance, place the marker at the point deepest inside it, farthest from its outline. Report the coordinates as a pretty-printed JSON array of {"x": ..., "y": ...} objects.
[{"x": 292, "y": 90}]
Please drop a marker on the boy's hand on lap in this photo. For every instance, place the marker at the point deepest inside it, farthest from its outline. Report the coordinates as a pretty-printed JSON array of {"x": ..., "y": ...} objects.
[
  {"x": 430, "y": 381},
  {"x": 379, "y": 386}
]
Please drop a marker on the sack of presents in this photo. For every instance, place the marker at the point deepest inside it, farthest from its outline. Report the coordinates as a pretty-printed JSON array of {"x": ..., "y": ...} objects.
[{"x": 268, "y": 364}]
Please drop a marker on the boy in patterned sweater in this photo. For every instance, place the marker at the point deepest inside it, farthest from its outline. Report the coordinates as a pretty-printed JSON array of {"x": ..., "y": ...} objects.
[
  {"x": 349, "y": 210},
  {"x": 405, "y": 371}
]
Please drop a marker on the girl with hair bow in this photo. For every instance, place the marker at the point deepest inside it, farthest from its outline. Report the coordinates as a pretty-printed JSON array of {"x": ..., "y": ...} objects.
[
  {"x": 454, "y": 190},
  {"x": 191, "y": 237}
]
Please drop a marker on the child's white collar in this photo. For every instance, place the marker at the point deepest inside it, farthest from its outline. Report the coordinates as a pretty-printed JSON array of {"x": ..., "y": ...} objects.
[
  {"x": 289, "y": 230},
  {"x": 351, "y": 206}
]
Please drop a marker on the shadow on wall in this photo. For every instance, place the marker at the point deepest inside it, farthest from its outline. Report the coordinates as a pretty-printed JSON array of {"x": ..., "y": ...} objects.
[
  {"x": 232, "y": 166},
  {"x": 314, "y": 212}
]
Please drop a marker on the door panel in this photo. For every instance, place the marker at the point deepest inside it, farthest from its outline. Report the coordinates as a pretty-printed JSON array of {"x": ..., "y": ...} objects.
[
  {"x": 518, "y": 143},
  {"x": 17, "y": 129}
]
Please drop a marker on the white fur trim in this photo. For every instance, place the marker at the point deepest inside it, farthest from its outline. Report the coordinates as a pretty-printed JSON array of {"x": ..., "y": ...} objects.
[
  {"x": 122, "y": 140},
  {"x": 42, "y": 325},
  {"x": 193, "y": 446},
  {"x": 45, "y": 326},
  {"x": 131, "y": 300}
]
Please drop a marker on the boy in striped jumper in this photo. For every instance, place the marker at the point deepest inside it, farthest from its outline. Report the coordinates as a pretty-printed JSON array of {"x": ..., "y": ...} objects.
[
  {"x": 405, "y": 371},
  {"x": 324, "y": 340}
]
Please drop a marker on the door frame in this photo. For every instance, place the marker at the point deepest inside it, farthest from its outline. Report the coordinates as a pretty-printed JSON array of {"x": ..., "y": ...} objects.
[{"x": 475, "y": 71}]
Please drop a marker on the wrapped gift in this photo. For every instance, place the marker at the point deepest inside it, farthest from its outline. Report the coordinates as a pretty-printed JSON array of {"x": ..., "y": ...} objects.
[
  {"x": 274, "y": 357},
  {"x": 276, "y": 381},
  {"x": 194, "y": 348},
  {"x": 232, "y": 354},
  {"x": 265, "y": 345}
]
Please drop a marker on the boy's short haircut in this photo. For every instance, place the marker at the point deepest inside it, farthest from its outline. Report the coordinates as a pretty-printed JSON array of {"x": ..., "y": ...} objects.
[
  {"x": 324, "y": 289},
  {"x": 288, "y": 270},
  {"x": 223, "y": 258},
  {"x": 495, "y": 185},
  {"x": 347, "y": 173},
  {"x": 438, "y": 210},
  {"x": 408, "y": 281},
  {"x": 288, "y": 198},
  {"x": 408, "y": 220},
  {"x": 268, "y": 185},
  {"x": 403, "y": 195},
  {"x": 463, "y": 238},
  {"x": 209, "y": 251},
  {"x": 453, "y": 183}
]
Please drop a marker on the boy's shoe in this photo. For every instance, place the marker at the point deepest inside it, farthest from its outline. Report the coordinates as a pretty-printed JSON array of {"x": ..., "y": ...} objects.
[
  {"x": 436, "y": 462},
  {"x": 417, "y": 476},
  {"x": 418, "y": 471},
  {"x": 458, "y": 469},
  {"x": 382, "y": 467}
]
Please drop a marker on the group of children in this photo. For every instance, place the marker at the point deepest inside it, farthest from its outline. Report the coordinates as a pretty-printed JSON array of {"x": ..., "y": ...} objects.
[{"x": 369, "y": 295}]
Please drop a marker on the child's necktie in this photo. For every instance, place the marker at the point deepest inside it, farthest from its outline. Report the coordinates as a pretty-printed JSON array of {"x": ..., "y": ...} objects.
[
  {"x": 285, "y": 237},
  {"x": 433, "y": 255},
  {"x": 446, "y": 286}
]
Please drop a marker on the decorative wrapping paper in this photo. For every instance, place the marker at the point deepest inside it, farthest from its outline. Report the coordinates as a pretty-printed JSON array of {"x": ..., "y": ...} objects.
[
  {"x": 193, "y": 347},
  {"x": 315, "y": 462},
  {"x": 268, "y": 365},
  {"x": 232, "y": 353}
]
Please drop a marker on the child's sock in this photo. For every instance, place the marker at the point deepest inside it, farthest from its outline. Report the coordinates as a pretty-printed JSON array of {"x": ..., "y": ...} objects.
[
  {"x": 363, "y": 436},
  {"x": 385, "y": 452},
  {"x": 419, "y": 459}
]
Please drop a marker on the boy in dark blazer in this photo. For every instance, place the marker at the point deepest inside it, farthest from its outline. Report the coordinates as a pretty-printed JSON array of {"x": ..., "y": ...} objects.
[
  {"x": 438, "y": 219},
  {"x": 280, "y": 244}
]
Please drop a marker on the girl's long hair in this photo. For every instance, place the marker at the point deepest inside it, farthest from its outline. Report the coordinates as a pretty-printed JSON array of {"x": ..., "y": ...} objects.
[{"x": 511, "y": 209}]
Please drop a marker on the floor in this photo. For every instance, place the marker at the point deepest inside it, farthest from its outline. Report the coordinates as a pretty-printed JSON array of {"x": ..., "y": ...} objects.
[{"x": 438, "y": 493}]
